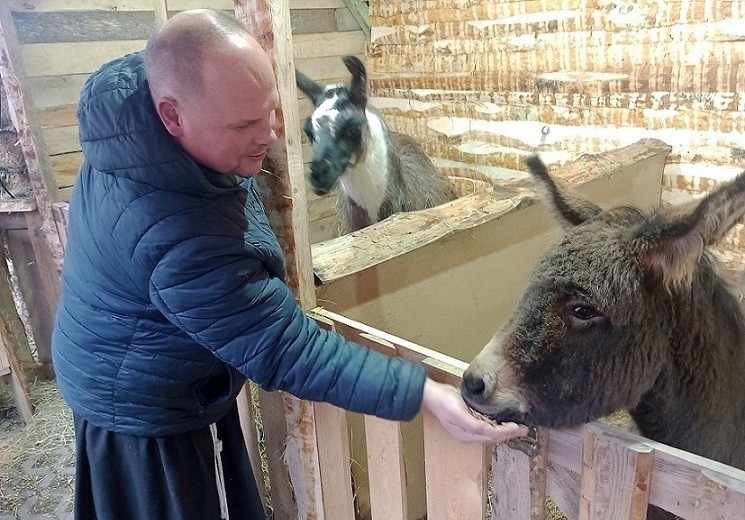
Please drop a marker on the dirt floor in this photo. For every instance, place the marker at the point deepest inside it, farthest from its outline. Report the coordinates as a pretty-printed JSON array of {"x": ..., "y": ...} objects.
[{"x": 37, "y": 459}]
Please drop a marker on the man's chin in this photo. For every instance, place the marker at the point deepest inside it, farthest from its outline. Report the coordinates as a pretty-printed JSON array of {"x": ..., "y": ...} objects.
[{"x": 249, "y": 168}]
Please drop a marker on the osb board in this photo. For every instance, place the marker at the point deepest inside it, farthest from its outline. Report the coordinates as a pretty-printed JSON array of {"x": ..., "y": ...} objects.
[{"x": 598, "y": 75}]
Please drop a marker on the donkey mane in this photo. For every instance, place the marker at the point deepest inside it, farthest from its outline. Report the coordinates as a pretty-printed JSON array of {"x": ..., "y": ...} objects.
[{"x": 379, "y": 172}]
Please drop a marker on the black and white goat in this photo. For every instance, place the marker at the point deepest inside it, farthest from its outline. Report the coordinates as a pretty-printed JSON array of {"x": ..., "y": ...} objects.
[{"x": 379, "y": 172}]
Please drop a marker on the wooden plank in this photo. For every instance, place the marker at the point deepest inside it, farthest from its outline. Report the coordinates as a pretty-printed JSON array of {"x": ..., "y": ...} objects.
[
  {"x": 61, "y": 212},
  {"x": 385, "y": 462},
  {"x": 35, "y": 153},
  {"x": 456, "y": 474},
  {"x": 316, "y": 4},
  {"x": 112, "y": 5},
  {"x": 9, "y": 311},
  {"x": 562, "y": 486},
  {"x": 246, "y": 412},
  {"x": 53, "y": 59},
  {"x": 61, "y": 140},
  {"x": 160, "y": 7},
  {"x": 287, "y": 213},
  {"x": 615, "y": 480},
  {"x": 275, "y": 435},
  {"x": 511, "y": 469},
  {"x": 440, "y": 367},
  {"x": 54, "y": 91},
  {"x": 63, "y": 115},
  {"x": 314, "y": 21},
  {"x": 360, "y": 11},
  {"x": 333, "y": 453},
  {"x": 38, "y": 278},
  {"x": 326, "y": 228},
  {"x": 81, "y": 5},
  {"x": 510, "y": 475},
  {"x": 719, "y": 498},
  {"x": 324, "y": 69},
  {"x": 675, "y": 472},
  {"x": 18, "y": 384},
  {"x": 66, "y": 167},
  {"x": 334, "y": 461},
  {"x": 83, "y": 26},
  {"x": 336, "y": 44}
]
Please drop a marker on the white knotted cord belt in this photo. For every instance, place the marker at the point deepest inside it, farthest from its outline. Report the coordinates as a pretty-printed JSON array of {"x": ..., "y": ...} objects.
[{"x": 219, "y": 475}]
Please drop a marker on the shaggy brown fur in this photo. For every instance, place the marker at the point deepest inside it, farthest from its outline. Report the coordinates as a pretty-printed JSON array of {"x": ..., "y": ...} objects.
[{"x": 626, "y": 311}]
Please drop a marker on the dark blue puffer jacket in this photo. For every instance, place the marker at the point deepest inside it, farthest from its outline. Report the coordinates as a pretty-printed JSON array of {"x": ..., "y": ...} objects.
[{"x": 172, "y": 289}]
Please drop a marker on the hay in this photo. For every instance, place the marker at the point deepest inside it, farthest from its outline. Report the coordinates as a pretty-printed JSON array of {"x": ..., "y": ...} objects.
[{"x": 37, "y": 458}]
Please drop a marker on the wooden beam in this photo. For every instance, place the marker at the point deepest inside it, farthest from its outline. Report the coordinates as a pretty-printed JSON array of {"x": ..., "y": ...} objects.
[
  {"x": 18, "y": 385},
  {"x": 361, "y": 12},
  {"x": 160, "y": 7},
  {"x": 22, "y": 113},
  {"x": 283, "y": 191}
]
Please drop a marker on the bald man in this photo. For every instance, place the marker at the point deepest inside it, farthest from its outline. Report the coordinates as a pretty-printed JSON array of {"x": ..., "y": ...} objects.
[{"x": 173, "y": 293}]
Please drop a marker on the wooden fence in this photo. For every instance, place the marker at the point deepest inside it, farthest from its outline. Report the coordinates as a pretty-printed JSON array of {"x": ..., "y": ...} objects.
[{"x": 593, "y": 472}]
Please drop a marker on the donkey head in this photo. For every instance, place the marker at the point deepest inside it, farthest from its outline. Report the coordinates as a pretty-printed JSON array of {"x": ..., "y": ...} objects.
[
  {"x": 337, "y": 125},
  {"x": 601, "y": 316}
]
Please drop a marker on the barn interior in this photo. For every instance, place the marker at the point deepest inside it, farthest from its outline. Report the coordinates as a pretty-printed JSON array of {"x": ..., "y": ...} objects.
[{"x": 630, "y": 102}]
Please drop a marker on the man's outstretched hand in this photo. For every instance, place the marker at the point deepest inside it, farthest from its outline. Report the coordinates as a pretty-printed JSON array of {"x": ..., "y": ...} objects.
[{"x": 446, "y": 403}]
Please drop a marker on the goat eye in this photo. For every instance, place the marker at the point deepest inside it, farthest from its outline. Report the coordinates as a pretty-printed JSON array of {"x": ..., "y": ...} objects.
[
  {"x": 308, "y": 128},
  {"x": 584, "y": 312},
  {"x": 352, "y": 132}
]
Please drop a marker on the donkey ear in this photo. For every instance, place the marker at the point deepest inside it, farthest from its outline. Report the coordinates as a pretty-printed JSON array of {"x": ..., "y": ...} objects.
[
  {"x": 309, "y": 87},
  {"x": 670, "y": 248},
  {"x": 358, "y": 88},
  {"x": 571, "y": 209}
]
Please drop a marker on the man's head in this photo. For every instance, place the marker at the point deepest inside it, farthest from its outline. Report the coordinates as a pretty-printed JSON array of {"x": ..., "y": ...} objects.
[{"x": 213, "y": 87}]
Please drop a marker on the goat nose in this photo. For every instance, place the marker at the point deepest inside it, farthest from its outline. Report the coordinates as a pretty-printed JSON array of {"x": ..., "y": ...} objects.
[{"x": 474, "y": 385}]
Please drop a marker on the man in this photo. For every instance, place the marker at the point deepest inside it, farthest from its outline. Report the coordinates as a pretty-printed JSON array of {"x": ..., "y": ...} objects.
[{"x": 173, "y": 294}]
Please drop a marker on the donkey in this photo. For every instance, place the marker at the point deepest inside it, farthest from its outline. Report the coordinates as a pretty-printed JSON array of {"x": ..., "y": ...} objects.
[
  {"x": 627, "y": 310},
  {"x": 379, "y": 172}
]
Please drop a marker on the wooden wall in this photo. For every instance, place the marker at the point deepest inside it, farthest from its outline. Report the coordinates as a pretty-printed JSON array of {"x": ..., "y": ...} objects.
[
  {"x": 483, "y": 79},
  {"x": 63, "y": 41},
  {"x": 483, "y": 83}
]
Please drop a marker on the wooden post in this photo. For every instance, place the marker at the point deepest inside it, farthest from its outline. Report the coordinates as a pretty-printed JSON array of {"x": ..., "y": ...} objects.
[
  {"x": 29, "y": 132},
  {"x": 161, "y": 11},
  {"x": 39, "y": 245},
  {"x": 9, "y": 365},
  {"x": 284, "y": 199}
]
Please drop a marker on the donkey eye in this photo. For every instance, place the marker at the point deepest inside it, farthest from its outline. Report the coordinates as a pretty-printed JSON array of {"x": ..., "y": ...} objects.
[{"x": 584, "y": 312}]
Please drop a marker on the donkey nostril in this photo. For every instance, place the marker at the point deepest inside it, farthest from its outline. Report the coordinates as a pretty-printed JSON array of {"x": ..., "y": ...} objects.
[{"x": 474, "y": 385}]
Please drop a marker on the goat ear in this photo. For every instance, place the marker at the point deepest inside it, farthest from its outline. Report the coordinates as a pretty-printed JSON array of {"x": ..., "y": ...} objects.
[
  {"x": 571, "y": 209},
  {"x": 670, "y": 248},
  {"x": 358, "y": 87},
  {"x": 309, "y": 87}
]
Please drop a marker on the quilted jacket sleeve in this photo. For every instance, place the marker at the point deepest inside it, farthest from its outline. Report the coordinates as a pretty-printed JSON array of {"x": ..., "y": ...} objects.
[{"x": 227, "y": 302}]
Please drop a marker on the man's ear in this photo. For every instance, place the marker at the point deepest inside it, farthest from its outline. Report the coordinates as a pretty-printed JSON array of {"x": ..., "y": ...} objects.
[{"x": 167, "y": 109}]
